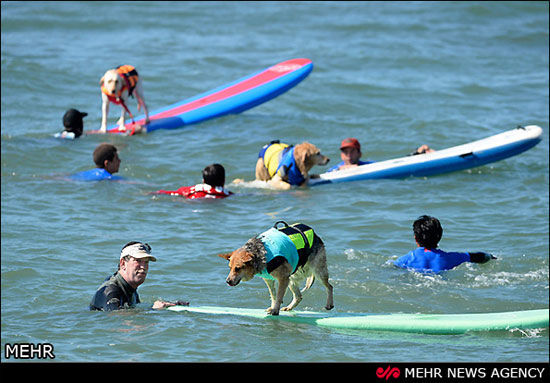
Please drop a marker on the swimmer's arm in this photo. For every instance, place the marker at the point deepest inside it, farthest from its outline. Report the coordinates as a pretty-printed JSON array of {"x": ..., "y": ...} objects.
[
  {"x": 421, "y": 150},
  {"x": 160, "y": 304},
  {"x": 481, "y": 257},
  {"x": 106, "y": 299},
  {"x": 112, "y": 304}
]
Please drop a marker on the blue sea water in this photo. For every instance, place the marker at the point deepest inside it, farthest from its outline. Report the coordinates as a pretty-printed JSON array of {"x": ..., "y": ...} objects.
[{"x": 392, "y": 74}]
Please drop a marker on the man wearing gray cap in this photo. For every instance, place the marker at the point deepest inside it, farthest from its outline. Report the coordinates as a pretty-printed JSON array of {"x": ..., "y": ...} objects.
[{"x": 120, "y": 290}]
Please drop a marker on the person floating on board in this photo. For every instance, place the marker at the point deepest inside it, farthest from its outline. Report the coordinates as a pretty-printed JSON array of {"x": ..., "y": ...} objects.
[
  {"x": 427, "y": 257},
  {"x": 212, "y": 186},
  {"x": 119, "y": 291},
  {"x": 350, "y": 153},
  {"x": 107, "y": 162},
  {"x": 73, "y": 124}
]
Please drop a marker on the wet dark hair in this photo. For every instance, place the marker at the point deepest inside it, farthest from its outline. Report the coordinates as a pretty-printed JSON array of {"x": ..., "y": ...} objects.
[
  {"x": 102, "y": 153},
  {"x": 214, "y": 175},
  {"x": 427, "y": 231}
]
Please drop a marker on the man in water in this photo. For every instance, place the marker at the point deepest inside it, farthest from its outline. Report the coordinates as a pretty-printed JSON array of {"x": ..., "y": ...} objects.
[
  {"x": 107, "y": 162},
  {"x": 350, "y": 153},
  {"x": 120, "y": 290},
  {"x": 427, "y": 257}
]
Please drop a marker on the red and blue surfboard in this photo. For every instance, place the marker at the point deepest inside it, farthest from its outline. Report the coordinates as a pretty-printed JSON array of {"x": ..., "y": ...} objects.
[{"x": 232, "y": 98}]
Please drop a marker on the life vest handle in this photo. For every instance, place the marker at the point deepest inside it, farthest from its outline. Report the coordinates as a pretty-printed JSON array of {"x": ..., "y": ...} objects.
[
  {"x": 304, "y": 237},
  {"x": 278, "y": 222}
]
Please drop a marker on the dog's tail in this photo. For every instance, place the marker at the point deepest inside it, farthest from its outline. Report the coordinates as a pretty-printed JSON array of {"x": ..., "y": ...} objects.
[{"x": 309, "y": 283}]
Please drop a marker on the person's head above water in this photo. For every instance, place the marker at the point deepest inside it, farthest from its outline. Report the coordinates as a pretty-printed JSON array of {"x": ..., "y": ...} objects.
[
  {"x": 214, "y": 175},
  {"x": 72, "y": 121},
  {"x": 134, "y": 262},
  {"x": 350, "y": 151},
  {"x": 106, "y": 157},
  {"x": 427, "y": 231}
]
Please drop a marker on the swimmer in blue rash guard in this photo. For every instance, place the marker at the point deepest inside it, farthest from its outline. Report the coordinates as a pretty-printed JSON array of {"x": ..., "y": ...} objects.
[
  {"x": 427, "y": 257},
  {"x": 107, "y": 161}
]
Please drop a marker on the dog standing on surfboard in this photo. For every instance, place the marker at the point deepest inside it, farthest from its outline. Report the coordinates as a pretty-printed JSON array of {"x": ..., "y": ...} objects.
[
  {"x": 286, "y": 255},
  {"x": 116, "y": 86}
]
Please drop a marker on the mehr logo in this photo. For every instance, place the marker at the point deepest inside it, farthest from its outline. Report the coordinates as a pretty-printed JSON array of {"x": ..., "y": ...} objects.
[
  {"x": 389, "y": 372},
  {"x": 280, "y": 68},
  {"x": 29, "y": 351}
]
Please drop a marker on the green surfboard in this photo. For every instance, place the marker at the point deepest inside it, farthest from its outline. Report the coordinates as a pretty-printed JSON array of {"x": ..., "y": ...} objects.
[{"x": 411, "y": 323}]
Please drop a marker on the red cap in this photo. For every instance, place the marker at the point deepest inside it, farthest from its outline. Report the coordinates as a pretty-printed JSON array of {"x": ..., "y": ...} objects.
[{"x": 350, "y": 143}]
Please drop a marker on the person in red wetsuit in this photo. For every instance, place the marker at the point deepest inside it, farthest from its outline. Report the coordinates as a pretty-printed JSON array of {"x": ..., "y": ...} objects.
[{"x": 212, "y": 186}]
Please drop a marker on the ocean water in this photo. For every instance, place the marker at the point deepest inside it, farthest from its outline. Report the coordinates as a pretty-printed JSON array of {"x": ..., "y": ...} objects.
[{"x": 394, "y": 75}]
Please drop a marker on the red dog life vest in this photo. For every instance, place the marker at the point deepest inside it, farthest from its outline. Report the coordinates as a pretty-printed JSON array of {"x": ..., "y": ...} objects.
[{"x": 130, "y": 76}]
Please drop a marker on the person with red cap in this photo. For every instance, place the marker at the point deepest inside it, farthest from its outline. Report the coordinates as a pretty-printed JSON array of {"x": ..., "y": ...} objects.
[{"x": 350, "y": 153}]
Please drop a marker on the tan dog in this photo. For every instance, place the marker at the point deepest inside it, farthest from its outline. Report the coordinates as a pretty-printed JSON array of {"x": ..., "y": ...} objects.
[
  {"x": 284, "y": 166},
  {"x": 116, "y": 86},
  {"x": 287, "y": 255}
]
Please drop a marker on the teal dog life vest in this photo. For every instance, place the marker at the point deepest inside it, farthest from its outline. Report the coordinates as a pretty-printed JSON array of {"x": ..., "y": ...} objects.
[{"x": 290, "y": 243}]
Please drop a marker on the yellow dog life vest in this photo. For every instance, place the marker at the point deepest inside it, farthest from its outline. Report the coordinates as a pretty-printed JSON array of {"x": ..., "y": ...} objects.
[{"x": 272, "y": 157}]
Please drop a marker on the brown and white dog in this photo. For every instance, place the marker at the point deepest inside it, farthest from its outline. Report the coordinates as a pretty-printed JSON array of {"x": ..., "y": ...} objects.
[
  {"x": 116, "y": 86},
  {"x": 288, "y": 256}
]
